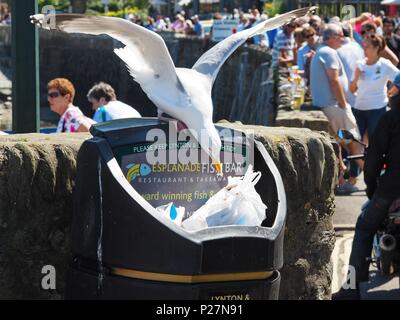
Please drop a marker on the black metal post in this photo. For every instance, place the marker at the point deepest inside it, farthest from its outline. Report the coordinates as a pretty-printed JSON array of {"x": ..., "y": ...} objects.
[
  {"x": 221, "y": 5},
  {"x": 25, "y": 66},
  {"x": 196, "y": 6}
]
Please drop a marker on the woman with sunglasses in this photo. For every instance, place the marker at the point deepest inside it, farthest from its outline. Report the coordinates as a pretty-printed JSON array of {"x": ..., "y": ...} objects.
[
  {"x": 60, "y": 94},
  {"x": 307, "y": 51}
]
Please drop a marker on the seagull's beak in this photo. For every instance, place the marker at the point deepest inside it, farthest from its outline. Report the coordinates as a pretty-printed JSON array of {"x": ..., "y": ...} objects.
[{"x": 218, "y": 167}]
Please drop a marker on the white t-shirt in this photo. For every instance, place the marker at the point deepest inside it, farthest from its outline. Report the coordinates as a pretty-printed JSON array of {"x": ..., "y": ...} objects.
[
  {"x": 371, "y": 92},
  {"x": 115, "y": 110}
]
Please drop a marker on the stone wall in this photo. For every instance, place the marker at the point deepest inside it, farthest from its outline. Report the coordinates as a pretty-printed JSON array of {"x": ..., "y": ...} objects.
[
  {"x": 308, "y": 117},
  {"x": 37, "y": 180}
]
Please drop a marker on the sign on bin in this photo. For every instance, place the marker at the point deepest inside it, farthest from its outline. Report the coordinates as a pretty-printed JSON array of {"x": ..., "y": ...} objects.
[{"x": 167, "y": 171}]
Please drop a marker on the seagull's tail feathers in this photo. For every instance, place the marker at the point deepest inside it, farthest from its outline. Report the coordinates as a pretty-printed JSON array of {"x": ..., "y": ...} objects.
[{"x": 280, "y": 20}]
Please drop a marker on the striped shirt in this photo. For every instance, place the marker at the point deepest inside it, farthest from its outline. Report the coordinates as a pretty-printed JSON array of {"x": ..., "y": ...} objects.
[{"x": 282, "y": 42}]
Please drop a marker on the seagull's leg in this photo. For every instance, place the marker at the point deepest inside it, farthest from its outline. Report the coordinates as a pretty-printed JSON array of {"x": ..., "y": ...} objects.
[
  {"x": 181, "y": 126},
  {"x": 166, "y": 117}
]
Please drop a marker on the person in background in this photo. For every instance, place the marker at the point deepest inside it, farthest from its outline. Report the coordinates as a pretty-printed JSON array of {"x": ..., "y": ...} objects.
[
  {"x": 160, "y": 24},
  {"x": 261, "y": 39},
  {"x": 283, "y": 52},
  {"x": 168, "y": 24},
  {"x": 370, "y": 28},
  {"x": 307, "y": 51},
  {"x": 379, "y": 25},
  {"x": 60, "y": 94},
  {"x": 392, "y": 40},
  {"x": 360, "y": 20},
  {"x": 328, "y": 86},
  {"x": 382, "y": 189},
  {"x": 189, "y": 28},
  {"x": 179, "y": 24},
  {"x": 150, "y": 24},
  {"x": 370, "y": 80},
  {"x": 303, "y": 21},
  {"x": 397, "y": 31},
  {"x": 349, "y": 53},
  {"x": 243, "y": 22},
  {"x": 104, "y": 102},
  {"x": 394, "y": 92},
  {"x": 316, "y": 22},
  {"x": 272, "y": 36},
  {"x": 197, "y": 26},
  {"x": 298, "y": 37},
  {"x": 334, "y": 19}
]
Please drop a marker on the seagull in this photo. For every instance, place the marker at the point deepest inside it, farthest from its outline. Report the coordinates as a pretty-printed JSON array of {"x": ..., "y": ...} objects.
[{"x": 182, "y": 93}]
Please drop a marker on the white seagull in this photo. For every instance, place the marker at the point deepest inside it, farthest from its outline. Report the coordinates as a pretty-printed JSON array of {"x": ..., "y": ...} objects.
[{"x": 183, "y": 93}]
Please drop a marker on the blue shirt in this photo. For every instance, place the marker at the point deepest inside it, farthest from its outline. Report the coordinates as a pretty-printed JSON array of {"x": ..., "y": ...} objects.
[
  {"x": 301, "y": 60},
  {"x": 282, "y": 42},
  {"x": 271, "y": 37},
  {"x": 396, "y": 81},
  {"x": 324, "y": 59},
  {"x": 198, "y": 28},
  {"x": 349, "y": 53}
]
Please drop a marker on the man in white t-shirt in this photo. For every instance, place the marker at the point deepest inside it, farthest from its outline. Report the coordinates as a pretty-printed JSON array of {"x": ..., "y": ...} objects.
[{"x": 104, "y": 101}]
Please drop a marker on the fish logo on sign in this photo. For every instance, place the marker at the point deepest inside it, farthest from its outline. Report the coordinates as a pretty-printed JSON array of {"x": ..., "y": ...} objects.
[{"x": 137, "y": 170}]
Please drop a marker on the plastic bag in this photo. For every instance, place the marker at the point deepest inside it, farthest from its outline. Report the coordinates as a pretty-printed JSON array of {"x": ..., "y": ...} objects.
[
  {"x": 172, "y": 213},
  {"x": 236, "y": 204}
]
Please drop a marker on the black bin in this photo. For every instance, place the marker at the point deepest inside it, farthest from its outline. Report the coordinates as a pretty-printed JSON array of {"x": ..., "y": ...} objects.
[{"x": 122, "y": 249}]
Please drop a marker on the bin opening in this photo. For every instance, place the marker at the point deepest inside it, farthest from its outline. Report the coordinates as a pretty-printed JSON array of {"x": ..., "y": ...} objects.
[
  {"x": 185, "y": 181},
  {"x": 164, "y": 170}
]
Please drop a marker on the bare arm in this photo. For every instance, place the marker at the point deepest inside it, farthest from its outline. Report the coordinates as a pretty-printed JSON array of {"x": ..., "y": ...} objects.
[
  {"x": 85, "y": 125},
  {"x": 392, "y": 91},
  {"x": 389, "y": 54},
  {"x": 336, "y": 86},
  {"x": 284, "y": 58},
  {"x": 353, "y": 84}
]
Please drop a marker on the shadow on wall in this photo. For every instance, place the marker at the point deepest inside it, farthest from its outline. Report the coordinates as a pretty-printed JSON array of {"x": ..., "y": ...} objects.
[
  {"x": 240, "y": 89},
  {"x": 86, "y": 60}
]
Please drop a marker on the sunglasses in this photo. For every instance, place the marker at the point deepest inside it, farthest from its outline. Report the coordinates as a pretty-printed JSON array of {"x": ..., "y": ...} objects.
[
  {"x": 365, "y": 31},
  {"x": 310, "y": 35},
  {"x": 54, "y": 94}
]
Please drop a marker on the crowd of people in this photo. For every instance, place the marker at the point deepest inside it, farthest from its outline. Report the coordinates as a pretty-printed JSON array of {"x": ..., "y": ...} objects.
[
  {"x": 351, "y": 69},
  {"x": 181, "y": 24},
  {"x": 353, "y": 77},
  {"x": 192, "y": 26}
]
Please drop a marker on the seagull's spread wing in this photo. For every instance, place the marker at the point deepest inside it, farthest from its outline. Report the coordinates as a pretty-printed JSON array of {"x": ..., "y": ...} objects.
[
  {"x": 145, "y": 52},
  {"x": 212, "y": 60}
]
